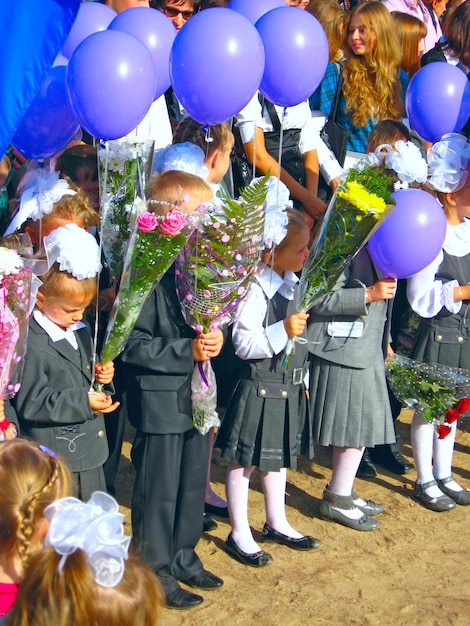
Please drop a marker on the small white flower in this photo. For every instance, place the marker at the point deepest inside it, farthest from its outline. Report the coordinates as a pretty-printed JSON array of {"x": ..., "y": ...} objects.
[{"x": 10, "y": 262}]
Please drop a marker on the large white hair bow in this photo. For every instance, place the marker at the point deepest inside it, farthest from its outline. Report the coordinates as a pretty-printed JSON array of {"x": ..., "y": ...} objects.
[
  {"x": 448, "y": 160},
  {"x": 404, "y": 158},
  {"x": 75, "y": 250},
  {"x": 96, "y": 528},
  {"x": 38, "y": 198},
  {"x": 185, "y": 157}
]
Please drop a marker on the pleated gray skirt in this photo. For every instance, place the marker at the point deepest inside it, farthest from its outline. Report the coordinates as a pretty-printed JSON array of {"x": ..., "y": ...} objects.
[{"x": 349, "y": 407}]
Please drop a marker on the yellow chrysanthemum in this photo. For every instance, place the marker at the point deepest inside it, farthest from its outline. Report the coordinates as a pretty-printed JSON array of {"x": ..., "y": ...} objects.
[{"x": 357, "y": 195}]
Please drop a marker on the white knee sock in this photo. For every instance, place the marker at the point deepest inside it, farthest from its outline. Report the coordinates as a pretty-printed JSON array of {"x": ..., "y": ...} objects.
[
  {"x": 422, "y": 438},
  {"x": 443, "y": 453},
  {"x": 274, "y": 489},
  {"x": 345, "y": 464},
  {"x": 237, "y": 483}
]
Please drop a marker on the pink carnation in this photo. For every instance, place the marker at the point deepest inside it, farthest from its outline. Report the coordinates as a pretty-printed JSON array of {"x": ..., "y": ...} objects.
[
  {"x": 173, "y": 223},
  {"x": 146, "y": 222}
]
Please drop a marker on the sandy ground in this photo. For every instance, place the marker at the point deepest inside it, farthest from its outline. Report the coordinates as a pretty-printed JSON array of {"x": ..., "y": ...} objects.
[{"x": 413, "y": 570}]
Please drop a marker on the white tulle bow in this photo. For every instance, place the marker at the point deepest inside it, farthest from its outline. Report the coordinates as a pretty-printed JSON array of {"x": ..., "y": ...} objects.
[
  {"x": 96, "y": 528},
  {"x": 75, "y": 250}
]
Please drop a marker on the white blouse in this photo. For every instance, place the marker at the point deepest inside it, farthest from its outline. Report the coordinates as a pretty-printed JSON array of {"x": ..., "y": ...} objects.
[{"x": 427, "y": 295}]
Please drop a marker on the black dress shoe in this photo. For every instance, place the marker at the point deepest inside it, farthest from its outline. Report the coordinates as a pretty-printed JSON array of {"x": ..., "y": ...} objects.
[
  {"x": 256, "y": 559},
  {"x": 366, "y": 467},
  {"x": 302, "y": 543},
  {"x": 203, "y": 580},
  {"x": 208, "y": 523},
  {"x": 396, "y": 463},
  {"x": 218, "y": 511},
  {"x": 183, "y": 599}
]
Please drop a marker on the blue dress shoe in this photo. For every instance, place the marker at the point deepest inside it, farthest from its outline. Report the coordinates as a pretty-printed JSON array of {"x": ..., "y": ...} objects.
[
  {"x": 255, "y": 559},
  {"x": 302, "y": 543},
  {"x": 203, "y": 580},
  {"x": 183, "y": 599}
]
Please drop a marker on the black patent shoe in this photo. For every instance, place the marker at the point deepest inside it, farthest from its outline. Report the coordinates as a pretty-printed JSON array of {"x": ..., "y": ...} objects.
[
  {"x": 302, "y": 543},
  {"x": 183, "y": 599},
  {"x": 439, "y": 504},
  {"x": 366, "y": 467},
  {"x": 203, "y": 580},
  {"x": 208, "y": 523},
  {"x": 255, "y": 559},
  {"x": 218, "y": 511}
]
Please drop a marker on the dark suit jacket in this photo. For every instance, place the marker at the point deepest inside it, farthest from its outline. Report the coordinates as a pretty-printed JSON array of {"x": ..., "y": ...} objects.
[
  {"x": 158, "y": 364},
  {"x": 52, "y": 403}
]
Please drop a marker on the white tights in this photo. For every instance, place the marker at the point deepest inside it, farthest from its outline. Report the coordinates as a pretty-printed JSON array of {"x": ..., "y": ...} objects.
[
  {"x": 432, "y": 456},
  {"x": 237, "y": 483},
  {"x": 345, "y": 464}
]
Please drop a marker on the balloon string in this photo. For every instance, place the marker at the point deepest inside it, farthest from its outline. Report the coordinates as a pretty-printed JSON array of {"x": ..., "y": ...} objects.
[
  {"x": 41, "y": 172},
  {"x": 254, "y": 154},
  {"x": 104, "y": 178}
]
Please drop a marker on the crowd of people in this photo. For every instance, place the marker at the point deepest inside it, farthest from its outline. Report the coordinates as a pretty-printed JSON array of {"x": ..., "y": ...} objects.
[{"x": 62, "y": 441}]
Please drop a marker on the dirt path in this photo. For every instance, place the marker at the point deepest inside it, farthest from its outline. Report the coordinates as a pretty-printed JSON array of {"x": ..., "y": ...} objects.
[{"x": 414, "y": 570}]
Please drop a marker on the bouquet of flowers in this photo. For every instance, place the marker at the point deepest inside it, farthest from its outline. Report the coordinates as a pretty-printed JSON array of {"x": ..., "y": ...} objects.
[
  {"x": 361, "y": 202},
  {"x": 15, "y": 296},
  {"x": 154, "y": 244},
  {"x": 441, "y": 394},
  {"x": 212, "y": 275},
  {"x": 124, "y": 170}
]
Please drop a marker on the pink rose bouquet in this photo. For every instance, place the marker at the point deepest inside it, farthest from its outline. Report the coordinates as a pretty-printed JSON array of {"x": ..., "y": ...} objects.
[{"x": 153, "y": 246}]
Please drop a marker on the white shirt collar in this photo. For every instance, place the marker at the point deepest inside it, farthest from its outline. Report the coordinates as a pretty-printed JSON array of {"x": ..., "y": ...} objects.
[
  {"x": 270, "y": 282},
  {"x": 55, "y": 332},
  {"x": 457, "y": 241}
]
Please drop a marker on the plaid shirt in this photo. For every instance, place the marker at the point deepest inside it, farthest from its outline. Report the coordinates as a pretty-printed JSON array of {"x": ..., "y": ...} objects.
[{"x": 358, "y": 135}]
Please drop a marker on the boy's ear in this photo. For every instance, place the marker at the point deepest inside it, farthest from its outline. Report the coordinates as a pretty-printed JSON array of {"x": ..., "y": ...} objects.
[
  {"x": 40, "y": 299},
  {"x": 214, "y": 158}
]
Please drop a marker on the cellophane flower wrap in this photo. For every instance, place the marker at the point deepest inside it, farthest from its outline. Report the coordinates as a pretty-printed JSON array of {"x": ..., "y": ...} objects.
[
  {"x": 15, "y": 306},
  {"x": 439, "y": 393},
  {"x": 153, "y": 247},
  {"x": 212, "y": 276},
  {"x": 361, "y": 202},
  {"x": 124, "y": 167},
  {"x": 359, "y": 205}
]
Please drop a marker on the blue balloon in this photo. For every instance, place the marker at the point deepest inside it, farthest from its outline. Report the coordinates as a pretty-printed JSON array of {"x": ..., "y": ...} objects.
[
  {"x": 296, "y": 49},
  {"x": 157, "y": 34},
  {"x": 438, "y": 100},
  {"x": 93, "y": 17},
  {"x": 111, "y": 82},
  {"x": 49, "y": 123},
  {"x": 410, "y": 238},
  {"x": 33, "y": 34},
  {"x": 254, "y": 9},
  {"x": 216, "y": 65}
]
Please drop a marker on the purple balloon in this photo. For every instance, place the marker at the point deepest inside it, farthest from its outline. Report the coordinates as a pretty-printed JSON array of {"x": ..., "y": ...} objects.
[
  {"x": 93, "y": 17},
  {"x": 411, "y": 236},
  {"x": 216, "y": 64},
  {"x": 156, "y": 32},
  {"x": 254, "y": 9},
  {"x": 49, "y": 123},
  {"x": 111, "y": 81},
  {"x": 438, "y": 100},
  {"x": 296, "y": 49}
]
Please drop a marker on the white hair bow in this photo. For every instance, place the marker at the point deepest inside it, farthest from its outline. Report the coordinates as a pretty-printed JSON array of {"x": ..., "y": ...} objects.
[
  {"x": 96, "y": 528},
  {"x": 38, "y": 198},
  {"x": 75, "y": 250},
  {"x": 448, "y": 160}
]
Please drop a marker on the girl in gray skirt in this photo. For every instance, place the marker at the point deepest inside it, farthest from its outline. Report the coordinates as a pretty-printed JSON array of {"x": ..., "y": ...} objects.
[{"x": 350, "y": 409}]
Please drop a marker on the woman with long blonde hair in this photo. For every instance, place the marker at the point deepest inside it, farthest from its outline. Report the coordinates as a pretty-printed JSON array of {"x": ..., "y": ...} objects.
[{"x": 374, "y": 86}]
